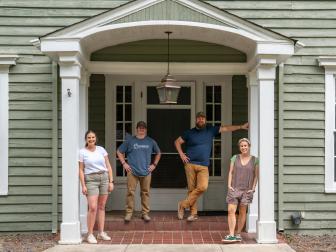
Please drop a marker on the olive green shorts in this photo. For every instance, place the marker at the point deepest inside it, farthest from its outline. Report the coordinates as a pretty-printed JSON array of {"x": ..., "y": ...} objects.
[{"x": 97, "y": 183}]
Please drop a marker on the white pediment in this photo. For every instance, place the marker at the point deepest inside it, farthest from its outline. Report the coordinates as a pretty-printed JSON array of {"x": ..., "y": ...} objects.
[{"x": 149, "y": 19}]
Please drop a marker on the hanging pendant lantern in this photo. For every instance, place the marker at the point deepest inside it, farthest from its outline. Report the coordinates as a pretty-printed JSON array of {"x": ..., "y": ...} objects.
[{"x": 168, "y": 91}]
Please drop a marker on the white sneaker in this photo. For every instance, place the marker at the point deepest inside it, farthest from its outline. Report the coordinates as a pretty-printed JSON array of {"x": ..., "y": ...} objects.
[
  {"x": 91, "y": 239},
  {"x": 103, "y": 236}
]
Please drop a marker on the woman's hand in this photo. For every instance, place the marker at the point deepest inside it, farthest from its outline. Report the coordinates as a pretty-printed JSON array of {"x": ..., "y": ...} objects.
[
  {"x": 250, "y": 191},
  {"x": 84, "y": 190},
  {"x": 110, "y": 187},
  {"x": 231, "y": 188}
]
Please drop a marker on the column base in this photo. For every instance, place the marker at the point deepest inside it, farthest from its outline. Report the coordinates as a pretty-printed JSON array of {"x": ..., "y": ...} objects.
[
  {"x": 70, "y": 233},
  {"x": 266, "y": 232},
  {"x": 251, "y": 223}
]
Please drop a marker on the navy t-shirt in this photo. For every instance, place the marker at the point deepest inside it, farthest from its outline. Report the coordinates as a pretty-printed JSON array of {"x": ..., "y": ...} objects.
[
  {"x": 138, "y": 152},
  {"x": 199, "y": 144}
]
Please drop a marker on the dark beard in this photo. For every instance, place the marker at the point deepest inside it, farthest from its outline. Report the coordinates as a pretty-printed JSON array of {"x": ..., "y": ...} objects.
[{"x": 200, "y": 126}]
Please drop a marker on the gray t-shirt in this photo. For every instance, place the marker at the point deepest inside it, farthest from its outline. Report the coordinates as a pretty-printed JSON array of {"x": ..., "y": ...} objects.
[{"x": 138, "y": 153}]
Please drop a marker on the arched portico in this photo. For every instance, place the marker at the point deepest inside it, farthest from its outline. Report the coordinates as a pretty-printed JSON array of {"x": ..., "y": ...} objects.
[{"x": 72, "y": 48}]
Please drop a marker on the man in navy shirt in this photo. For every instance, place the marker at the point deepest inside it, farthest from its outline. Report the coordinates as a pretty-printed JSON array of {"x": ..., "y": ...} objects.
[
  {"x": 138, "y": 149},
  {"x": 198, "y": 141}
]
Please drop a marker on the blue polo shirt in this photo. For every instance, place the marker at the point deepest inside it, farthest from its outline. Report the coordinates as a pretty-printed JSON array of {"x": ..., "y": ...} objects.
[
  {"x": 138, "y": 152},
  {"x": 199, "y": 144}
]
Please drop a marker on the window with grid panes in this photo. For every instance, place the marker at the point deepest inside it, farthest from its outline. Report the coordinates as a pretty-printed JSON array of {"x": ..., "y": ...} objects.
[
  {"x": 124, "y": 115},
  {"x": 213, "y": 108}
]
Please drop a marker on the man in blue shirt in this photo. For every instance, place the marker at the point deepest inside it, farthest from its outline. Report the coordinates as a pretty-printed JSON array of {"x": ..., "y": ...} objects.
[
  {"x": 138, "y": 149},
  {"x": 198, "y": 141}
]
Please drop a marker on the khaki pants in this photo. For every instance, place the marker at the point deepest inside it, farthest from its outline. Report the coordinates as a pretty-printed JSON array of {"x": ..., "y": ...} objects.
[
  {"x": 198, "y": 179},
  {"x": 132, "y": 182}
]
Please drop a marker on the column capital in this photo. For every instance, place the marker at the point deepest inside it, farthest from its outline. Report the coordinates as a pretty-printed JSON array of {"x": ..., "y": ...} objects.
[
  {"x": 6, "y": 60},
  {"x": 265, "y": 69},
  {"x": 329, "y": 64}
]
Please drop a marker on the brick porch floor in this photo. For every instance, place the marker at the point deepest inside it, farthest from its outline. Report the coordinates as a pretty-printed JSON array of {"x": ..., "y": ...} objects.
[{"x": 165, "y": 228}]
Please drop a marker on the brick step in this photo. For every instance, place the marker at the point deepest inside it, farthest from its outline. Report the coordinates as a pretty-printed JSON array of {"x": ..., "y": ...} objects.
[{"x": 165, "y": 221}]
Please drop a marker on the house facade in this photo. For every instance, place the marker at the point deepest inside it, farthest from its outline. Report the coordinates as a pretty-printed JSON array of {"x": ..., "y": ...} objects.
[{"x": 67, "y": 66}]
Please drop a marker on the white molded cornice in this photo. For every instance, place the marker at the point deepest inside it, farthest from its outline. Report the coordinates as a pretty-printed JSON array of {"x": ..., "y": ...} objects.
[
  {"x": 7, "y": 60},
  {"x": 150, "y": 68},
  {"x": 328, "y": 62}
]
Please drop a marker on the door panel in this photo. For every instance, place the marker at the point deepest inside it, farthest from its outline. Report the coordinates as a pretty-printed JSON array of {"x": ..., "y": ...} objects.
[{"x": 165, "y": 125}]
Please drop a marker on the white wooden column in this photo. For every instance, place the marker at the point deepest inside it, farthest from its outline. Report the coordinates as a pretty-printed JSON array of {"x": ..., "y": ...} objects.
[
  {"x": 266, "y": 227},
  {"x": 5, "y": 62},
  {"x": 70, "y": 72},
  {"x": 83, "y": 127},
  {"x": 253, "y": 118}
]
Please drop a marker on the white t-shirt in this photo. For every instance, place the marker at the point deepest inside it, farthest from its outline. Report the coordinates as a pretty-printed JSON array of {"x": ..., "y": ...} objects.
[{"x": 94, "y": 161}]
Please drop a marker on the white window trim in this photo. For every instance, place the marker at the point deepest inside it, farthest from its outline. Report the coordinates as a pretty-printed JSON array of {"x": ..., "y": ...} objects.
[
  {"x": 329, "y": 63},
  {"x": 5, "y": 62}
]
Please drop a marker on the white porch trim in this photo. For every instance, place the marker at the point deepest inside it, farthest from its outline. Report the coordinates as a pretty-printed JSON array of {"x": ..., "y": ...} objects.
[
  {"x": 266, "y": 226},
  {"x": 253, "y": 118},
  {"x": 160, "y": 68},
  {"x": 329, "y": 64},
  {"x": 83, "y": 120},
  {"x": 5, "y": 62},
  {"x": 70, "y": 73}
]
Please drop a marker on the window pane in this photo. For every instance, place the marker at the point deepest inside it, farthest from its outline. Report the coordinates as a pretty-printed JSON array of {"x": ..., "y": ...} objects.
[
  {"x": 218, "y": 111},
  {"x": 209, "y": 94},
  {"x": 209, "y": 112},
  {"x": 218, "y": 136},
  {"x": 210, "y": 168},
  {"x": 128, "y": 112},
  {"x": 217, "y": 149},
  {"x": 119, "y": 94},
  {"x": 184, "y": 97},
  {"x": 218, "y": 94},
  {"x": 119, "y": 168},
  {"x": 118, "y": 144},
  {"x": 128, "y": 94},
  {"x": 119, "y": 133},
  {"x": 128, "y": 128},
  {"x": 217, "y": 167},
  {"x": 120, "y": 113}
]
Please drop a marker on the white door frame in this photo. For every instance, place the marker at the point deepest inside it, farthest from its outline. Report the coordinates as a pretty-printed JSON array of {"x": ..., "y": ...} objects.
[{"x": 169, "y": 196}]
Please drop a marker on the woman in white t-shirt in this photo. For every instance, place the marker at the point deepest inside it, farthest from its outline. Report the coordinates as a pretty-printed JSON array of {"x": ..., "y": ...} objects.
[{"x": 95, "y": 174}]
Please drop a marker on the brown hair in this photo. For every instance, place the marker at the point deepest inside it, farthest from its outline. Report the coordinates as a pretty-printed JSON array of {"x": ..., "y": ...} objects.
[
  {"x": 87, "y": 133},
  {"x": 244, "y": 140}
]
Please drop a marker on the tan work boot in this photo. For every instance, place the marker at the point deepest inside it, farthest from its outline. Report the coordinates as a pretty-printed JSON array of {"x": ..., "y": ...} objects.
[
  {"x": 128, "y": 217},
  {"x": 180, "y": 211},
  {"x": 146, "y": 217},
  {"x": 192, "y": 217}
]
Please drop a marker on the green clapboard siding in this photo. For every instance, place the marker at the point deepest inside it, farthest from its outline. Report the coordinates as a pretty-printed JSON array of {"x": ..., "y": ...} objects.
[
  {"x": 314, "y": 24},
  {"x": 180, "y": 51},
  {"x": 28, "y": 206}
]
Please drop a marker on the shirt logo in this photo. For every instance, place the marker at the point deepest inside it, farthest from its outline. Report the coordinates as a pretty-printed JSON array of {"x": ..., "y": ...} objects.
[{"x": 140, "y": 146}]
